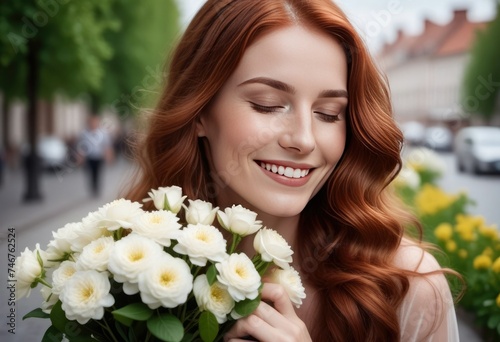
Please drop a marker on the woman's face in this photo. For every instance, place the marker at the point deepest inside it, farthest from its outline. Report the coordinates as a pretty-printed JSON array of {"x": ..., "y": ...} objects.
[{"x": 277, "y": 128}]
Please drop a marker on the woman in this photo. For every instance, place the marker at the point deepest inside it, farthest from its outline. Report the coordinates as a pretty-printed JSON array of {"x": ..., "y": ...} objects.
[{"x": 277, "y": 106}]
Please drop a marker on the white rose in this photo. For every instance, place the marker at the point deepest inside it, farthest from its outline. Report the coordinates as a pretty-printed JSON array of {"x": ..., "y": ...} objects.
[
  {"x": 59, "y": 277},
  {"x": 85, "y": 295},
  {"x": 200, "y": 212},
  {"x": 120, "y": 213},
  {"x": 161, "y": 226},
  {"x": 88, "y": 231},
  {"x": 95, "y": 256},
  {"x": 49, "y": 299},
  {"x": 201, "y": 243},
  {"x": 27, "y": 269},
  {"x": 132, "y": 255},
  {"x": 238, "y": 273},
  {"x": 273, "y": 247},
  {"x": 215, "y": 298},
  {"x": 167, "y": 198},
  {"x": 61, "y": 246},
  {"x": 239, "y": 220},
  {"x": 166, "y": 283},
  {"x": 290, "y": 280}
]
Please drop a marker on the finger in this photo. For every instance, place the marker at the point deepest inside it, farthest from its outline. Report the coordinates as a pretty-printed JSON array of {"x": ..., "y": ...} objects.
[
  {"x": 277, "y": 295},
  {"x": 270, "y": 315},
  {"x": 252, "y": 326}
]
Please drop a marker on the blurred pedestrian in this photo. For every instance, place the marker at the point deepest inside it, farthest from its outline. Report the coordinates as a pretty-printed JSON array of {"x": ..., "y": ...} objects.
[{"x": 95, "y": 148}]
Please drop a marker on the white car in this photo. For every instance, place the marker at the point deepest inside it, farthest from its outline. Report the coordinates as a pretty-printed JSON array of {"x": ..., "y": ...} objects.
[{"x": 477, "y": 149}]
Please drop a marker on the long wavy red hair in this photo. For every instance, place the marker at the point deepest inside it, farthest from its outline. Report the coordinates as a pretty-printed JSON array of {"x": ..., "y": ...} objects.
[{"x": 350, "y": 231}]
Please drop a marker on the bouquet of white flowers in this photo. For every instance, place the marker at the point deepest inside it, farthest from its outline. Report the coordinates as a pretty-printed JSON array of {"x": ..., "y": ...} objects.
[{"x": 125, "y": 274}]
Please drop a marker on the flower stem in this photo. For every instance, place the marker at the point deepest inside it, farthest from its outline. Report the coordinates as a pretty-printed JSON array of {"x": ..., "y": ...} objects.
[
  {"x": 107, "y": 328},
  {"x": 235, "y": 242}
]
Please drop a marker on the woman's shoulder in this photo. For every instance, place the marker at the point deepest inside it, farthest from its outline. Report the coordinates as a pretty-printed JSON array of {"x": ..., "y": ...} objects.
[
  {"x": 412, "y": 256},
  {"x": 427, "y": 311}
]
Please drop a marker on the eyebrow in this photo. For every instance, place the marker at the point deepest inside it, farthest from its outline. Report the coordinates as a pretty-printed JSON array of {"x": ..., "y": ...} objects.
[{"x": 290, "y": 89}]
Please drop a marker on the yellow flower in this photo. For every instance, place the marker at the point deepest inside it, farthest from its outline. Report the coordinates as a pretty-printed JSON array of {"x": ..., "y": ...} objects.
[
  {"x": 444, "y": 231},
  {"x": 463, "y": 253},
  {"x": 490, "y": 232},
  {"x": 498, "y": 300},
  {"x": 487, "y": 251},
  {"x": 431, "y": 199},
  {"x": 467, "y": 226},
  {"x": 482, "y": 262},
  {"x": 451, "y": 246},
  {"x": 496, "y": 265}
]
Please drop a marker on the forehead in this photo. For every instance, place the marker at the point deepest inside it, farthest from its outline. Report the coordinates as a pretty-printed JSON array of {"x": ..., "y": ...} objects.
[{"x": 293, "y": 51}]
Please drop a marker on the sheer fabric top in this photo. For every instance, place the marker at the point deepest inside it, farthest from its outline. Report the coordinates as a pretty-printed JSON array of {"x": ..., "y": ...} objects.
[{"x": 427, "y": 312}]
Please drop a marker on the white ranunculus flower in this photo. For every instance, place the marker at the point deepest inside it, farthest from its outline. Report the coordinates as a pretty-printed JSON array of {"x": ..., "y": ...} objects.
[
  {"x": 239, "y": 220},
  {"x": 200, "y": 212},
  {"x": 120, "y": 213},
  {"x": 95, "y": 256},
  {"x": 161, "y": 226},
  {"x": 166, "y": 283},
  {"x": 61, "y": 244},
  {"x": 273, "y": 247},
  {"x": 132, "y": 255},
  {"x": 201, "y": 243},
  {"x": 88, "y": 231},
  {"x": 290, "y": 280},
  {"x": 28, "y": 267},
  {"x": 85, "y": 295},
  {"x": 49, "y": 299},
  {"x": 215, "y": 298},
  {"x": 61, "y": 275},
  {"x": 173, "y": 196},
  {"x": 238, "y": 273}
]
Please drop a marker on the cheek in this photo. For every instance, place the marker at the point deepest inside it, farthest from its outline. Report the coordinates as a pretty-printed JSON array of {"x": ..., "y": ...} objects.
[{"x": 332, "y": 141}]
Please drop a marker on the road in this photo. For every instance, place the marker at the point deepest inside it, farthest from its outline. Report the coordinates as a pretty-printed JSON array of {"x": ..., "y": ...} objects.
[
  {"x": 67, "y": 200},
  {"x": 483, "y": 189}
]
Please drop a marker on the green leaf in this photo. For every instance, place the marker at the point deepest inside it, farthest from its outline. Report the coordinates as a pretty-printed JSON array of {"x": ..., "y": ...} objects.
[
  {"x": 209, "y": 327},
  {"x": 58, "y": 318},
  {"x": 134, "y": 311},
  {"x": 166, "y": 327},
  {"x": 489, "y": 302},
  {"x": 38, "y": 313},
  {"x": 494, "y": 321},
  {"x": 247, "y": 306},
  {"x": 52, "y": 334},
  {"x": 211, "y": 274}
]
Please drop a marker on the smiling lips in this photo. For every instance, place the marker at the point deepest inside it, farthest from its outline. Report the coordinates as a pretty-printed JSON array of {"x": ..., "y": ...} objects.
[{"x": 285, "y": 170}]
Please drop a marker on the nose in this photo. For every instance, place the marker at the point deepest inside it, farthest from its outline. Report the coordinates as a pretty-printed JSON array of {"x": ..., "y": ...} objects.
[{"x": 297, "y": 134}]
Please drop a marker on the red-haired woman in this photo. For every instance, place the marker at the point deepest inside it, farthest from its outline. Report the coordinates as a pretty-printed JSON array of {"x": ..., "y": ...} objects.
[{"x": 276, "y": 105}]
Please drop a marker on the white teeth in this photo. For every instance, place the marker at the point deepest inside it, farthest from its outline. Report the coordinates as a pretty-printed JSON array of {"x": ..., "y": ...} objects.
[{"x": 285, "y": 171}]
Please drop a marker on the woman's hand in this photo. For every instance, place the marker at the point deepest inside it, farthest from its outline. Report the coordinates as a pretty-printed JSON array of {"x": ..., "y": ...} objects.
[{"x": 275, "y": 322}]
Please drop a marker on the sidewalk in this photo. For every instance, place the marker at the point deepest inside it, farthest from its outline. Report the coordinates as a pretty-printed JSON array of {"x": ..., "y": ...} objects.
[{"x": 66, "y": 199}]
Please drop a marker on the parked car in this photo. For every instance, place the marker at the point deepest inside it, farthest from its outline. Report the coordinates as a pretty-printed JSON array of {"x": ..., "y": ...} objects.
[
  {"x": 438, "y": 138},
  {"x": 413, "y": 132},
  {"x": 52, "y": 152},
  {"x": 477, "y": 149}
]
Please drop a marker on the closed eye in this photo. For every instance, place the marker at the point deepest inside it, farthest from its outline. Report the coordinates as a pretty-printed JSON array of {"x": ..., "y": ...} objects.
[
  {"x": 265, "y": 109},
  {"x": 328, "y": 117}
]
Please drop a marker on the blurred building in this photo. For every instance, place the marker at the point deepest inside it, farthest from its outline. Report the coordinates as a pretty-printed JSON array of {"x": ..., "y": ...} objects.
[
  {"x": 425, "y": 71},
  {"x": 60, "y": 118}
]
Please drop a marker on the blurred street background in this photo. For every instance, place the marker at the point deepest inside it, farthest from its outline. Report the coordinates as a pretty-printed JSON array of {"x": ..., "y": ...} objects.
[{"x": 62, "y": 62}]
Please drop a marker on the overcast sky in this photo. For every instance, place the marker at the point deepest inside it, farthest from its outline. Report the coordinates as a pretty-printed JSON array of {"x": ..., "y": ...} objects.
[{"x": 378, "y": 20}]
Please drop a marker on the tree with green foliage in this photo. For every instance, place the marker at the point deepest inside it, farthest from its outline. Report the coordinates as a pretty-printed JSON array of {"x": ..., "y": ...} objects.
[
  {"x": 140, "y": 45},
  {"x": 481, "y": 84},
  {"x": 61, "y": 47},
  {"x": 50, "y": 47}
]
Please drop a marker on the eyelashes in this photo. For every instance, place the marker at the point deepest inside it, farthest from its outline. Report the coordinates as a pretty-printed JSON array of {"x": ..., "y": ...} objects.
[{"x": 274, "y": 109}]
